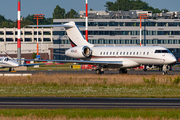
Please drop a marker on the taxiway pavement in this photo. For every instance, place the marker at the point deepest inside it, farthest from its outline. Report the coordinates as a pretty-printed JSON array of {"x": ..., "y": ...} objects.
[
  {"x": 175, "y": 71},
  {"x": 95, "y": 103}
]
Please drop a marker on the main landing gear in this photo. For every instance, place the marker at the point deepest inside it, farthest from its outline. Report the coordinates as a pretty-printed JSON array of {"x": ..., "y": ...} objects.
[
  {"x": 11, "y": 70},
  {"x": 123, "y": 71},
  {"x": 100, "y": 71}
]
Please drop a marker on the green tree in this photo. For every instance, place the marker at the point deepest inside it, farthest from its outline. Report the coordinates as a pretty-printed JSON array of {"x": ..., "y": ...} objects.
[
  {"x": 156, "y": 10},
  {"x": 49, "y": 20},
  {"x": 71, "y": 13},
  {"x": 110, "y": 6},
  {"x": 34, "y": 55},
  {"x": 165, "y": 10},
  {"x": 2, "y": 18},
  {"x": 126, "y": 5},
  {"x": 59, "y": 12},
  {"x": 30, "y": 18}
]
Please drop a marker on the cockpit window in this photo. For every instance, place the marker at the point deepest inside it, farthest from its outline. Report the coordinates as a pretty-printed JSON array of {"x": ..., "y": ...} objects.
[
  {"x": 165, "y": 51},
  {"x": 6, "y": 59},
  {"x": 162, "y": 51},
  {"x": 158, "y": 51}
]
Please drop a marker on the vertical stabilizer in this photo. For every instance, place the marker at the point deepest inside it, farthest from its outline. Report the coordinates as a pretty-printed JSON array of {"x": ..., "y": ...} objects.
[{"x": 75, "y": 36}]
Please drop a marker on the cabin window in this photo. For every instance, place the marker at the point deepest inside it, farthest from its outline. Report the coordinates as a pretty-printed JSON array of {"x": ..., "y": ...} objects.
[
  {"x": 117, "y": 53},
  {"x": 134, "y": 53},
  {"x": 104, "y": 53},
  {"x": 110, "y": 53},
  {"x": 113, "y": 53},
  {"x": 147, "y": 53},
  {"x": 144, "y": 53},
  {"x": 127, "y": 53},
  {"x": 107, "y": 53},
  {"x": 120, "y": 53},
  {"x": 124, "y": 53},
  {"x": 130, "y": 53},
  {"x": 101, "y": 53},
  {"x": 137, "y": 53}
]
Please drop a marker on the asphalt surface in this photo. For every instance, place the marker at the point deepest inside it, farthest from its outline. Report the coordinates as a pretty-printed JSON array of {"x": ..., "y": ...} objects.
[
  {"x": 175, "y": 71},
  {"x": 95, "y": 103}
]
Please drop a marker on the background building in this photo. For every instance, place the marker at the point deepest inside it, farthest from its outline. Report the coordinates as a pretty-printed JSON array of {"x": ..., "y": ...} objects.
[
  {"x": 122, "y": 28},
  {"x": 8, "y": 42},
  {"x": 115, "y": 28}
]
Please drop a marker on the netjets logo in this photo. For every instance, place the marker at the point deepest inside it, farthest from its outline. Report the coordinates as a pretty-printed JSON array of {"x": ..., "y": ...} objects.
[{"x": 74, "y": 51}]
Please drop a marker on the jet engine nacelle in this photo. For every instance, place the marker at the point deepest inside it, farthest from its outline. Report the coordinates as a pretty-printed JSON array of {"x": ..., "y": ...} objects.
[{"x": 79, "y": 52}]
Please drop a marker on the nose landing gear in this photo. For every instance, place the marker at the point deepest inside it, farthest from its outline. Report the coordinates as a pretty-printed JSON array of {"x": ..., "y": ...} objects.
[
  {"x": 165, "y": 69},
  {"x": 11, "y": 70}
]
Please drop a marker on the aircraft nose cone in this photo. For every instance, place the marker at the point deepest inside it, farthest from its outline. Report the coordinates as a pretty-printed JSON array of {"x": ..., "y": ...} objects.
[
  {"x": 16, "y": 64},
  {"x": 173, "y": 59}
]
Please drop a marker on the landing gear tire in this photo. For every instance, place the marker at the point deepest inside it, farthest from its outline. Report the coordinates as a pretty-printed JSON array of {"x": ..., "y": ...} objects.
[
  {"x": 165, "y": 73},
  {"x": 99, "y": 71},
  {"x": 145, "y": 70},
  {"x": 122, "y": 71},
  {"x": 10, "y": 69}
]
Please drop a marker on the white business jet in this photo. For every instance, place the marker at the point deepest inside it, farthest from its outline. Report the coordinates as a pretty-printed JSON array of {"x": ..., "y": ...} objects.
[
  {"x": 6, "y": 62},
  {"x": 111, "y": 56},
  {"x": 9, "y": 62}
]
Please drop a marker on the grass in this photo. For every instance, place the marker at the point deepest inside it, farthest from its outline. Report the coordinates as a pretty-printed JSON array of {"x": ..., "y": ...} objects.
[
  {"x": 87, "y": 85},
  {"x": 84, "y": 114},
  {"x": 56, "y": 68},
  {"x": 66, "y": 66}
]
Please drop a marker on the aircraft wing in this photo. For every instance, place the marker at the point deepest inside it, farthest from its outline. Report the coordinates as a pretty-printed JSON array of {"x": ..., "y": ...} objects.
[
  {"x": 31, "y": 64},
  {"x": 81, "y": 62}
]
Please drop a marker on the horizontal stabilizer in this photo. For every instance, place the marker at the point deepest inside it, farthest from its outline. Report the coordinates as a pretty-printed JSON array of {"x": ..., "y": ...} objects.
[{"x": 67, "y": 26}]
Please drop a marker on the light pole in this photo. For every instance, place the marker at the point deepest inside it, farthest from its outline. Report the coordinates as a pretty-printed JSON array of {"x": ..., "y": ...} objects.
[
  {"x": 37, "y": 17},
  {"x": 142, "y": 16}
]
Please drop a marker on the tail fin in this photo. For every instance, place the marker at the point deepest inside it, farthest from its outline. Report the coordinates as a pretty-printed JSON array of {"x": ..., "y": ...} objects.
[{"x": 74, "y": 34}]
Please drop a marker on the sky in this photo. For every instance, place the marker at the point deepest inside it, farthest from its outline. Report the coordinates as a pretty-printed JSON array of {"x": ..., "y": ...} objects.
[{"x": 8, "y": 8}]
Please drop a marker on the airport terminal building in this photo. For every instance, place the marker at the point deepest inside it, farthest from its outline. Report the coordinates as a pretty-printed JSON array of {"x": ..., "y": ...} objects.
[
  {"x": 8, "y": 42},
  {"x": 116, "y": 28}
]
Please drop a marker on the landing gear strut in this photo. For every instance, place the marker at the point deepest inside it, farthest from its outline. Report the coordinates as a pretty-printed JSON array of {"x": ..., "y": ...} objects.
[
  {"x": 165, "y": 68},
  {"x": 10, "y": 69}
]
